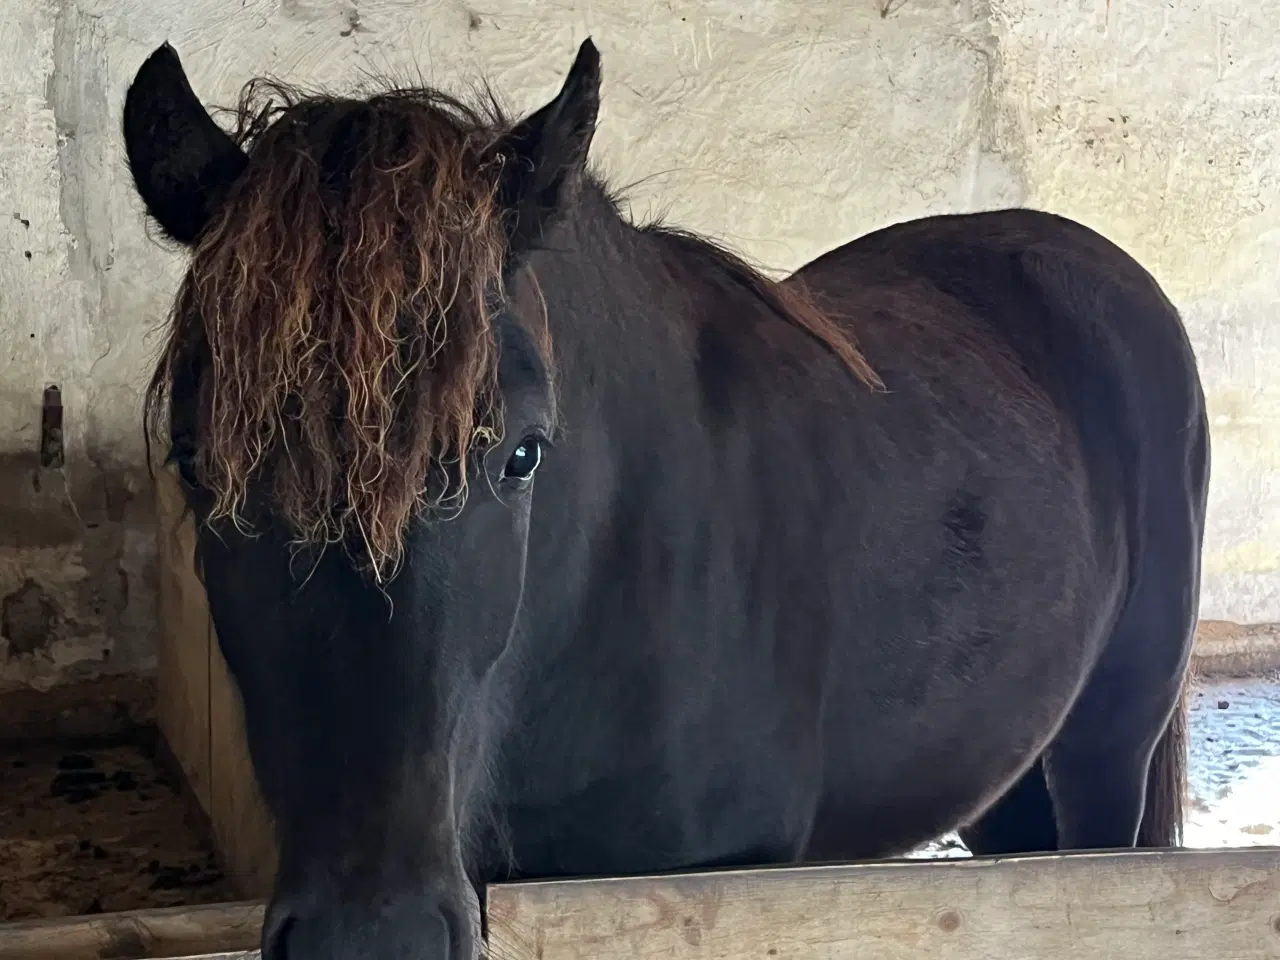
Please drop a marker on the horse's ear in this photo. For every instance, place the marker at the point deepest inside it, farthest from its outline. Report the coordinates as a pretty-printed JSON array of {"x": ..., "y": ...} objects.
[
  {"x": 182, "y": 162},
  {"x": 545, "y": 155}
]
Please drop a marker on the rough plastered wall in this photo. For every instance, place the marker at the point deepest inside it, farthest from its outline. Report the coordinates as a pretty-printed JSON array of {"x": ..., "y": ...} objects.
[{"x": 781, "y": 127}]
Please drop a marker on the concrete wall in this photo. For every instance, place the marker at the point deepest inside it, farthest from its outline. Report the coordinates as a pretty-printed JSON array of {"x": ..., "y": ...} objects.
[{"x": 781, "y": 127}]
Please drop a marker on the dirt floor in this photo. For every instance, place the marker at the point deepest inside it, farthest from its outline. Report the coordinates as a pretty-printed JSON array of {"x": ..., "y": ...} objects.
[{"x": 98, "y": 826}]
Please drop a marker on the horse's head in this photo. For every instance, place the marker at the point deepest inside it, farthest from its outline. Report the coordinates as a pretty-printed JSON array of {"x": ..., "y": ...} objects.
[{"x": 357, "y": 392}]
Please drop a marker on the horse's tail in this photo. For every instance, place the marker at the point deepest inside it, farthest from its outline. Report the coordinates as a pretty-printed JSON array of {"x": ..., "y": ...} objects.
[{"x": 1167, "y": 781}]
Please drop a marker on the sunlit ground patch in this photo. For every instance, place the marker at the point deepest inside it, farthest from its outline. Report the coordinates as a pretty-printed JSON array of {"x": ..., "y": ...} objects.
[{"x": 1235, "y": 765}]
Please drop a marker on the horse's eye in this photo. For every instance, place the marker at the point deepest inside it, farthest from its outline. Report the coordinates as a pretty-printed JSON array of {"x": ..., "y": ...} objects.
[{"x": 524, "y": 460}]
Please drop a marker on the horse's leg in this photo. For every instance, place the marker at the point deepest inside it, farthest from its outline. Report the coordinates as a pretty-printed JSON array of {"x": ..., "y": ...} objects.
[
  {"x": 1120, "y": 733},
  {"x": 1122, "y": 750},
  {"x": 1021, "y": 821}
]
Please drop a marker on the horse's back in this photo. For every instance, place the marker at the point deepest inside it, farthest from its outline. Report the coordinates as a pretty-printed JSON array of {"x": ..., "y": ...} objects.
[
  {"x": 1091, "y": 300},
  {"x": 1082, "y": 321}
]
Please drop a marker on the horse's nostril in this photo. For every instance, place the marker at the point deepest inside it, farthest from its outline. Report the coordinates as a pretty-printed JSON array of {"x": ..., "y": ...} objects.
[{"x": 371, "y": 927}]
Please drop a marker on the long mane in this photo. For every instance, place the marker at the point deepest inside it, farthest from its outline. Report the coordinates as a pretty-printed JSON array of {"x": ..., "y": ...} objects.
[{"x": 339, "y": 308}]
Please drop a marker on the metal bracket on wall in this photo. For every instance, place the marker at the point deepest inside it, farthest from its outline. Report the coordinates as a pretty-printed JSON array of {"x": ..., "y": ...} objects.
[{"x": 51, "y": 450}]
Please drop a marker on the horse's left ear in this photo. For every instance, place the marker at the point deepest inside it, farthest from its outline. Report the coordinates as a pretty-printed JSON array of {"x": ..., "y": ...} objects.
[
  {"x": 182, "y": 162},
  {"x": 545, "y": 155}
]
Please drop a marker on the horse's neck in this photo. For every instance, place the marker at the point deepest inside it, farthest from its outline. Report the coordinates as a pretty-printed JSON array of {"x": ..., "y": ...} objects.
[{"x": 609, "y": 308}]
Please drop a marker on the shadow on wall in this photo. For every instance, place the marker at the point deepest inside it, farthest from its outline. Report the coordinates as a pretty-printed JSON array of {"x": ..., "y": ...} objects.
[{"x": 77, "y": 574}]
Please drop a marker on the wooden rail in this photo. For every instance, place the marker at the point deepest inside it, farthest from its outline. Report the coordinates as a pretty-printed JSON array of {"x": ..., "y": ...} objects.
[
  {"x": 1150, "y": 905},
  {"x": 222, "y": 930},
  {"x": 1159, "y": 905}
]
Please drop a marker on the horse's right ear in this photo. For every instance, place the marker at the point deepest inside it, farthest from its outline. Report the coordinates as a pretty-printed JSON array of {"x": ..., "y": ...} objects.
[
  {"x": 182, "y": 162},
  {"x": 545, "y": 155}
]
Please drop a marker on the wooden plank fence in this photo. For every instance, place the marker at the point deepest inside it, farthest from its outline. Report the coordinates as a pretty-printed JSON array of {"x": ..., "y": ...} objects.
[{"x": 1148, "y": 905}]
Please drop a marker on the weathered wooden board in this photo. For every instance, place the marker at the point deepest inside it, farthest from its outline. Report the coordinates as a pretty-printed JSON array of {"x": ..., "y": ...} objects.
[
  {"x": 182, "y": 706},
  {"x": 198, "y": 707},
  {"x": 243, "y": 831},
  {"x": 225, "y": 929},
  {"x": 1161, "y": 905},
  {"x": 1225, "y": 649}
]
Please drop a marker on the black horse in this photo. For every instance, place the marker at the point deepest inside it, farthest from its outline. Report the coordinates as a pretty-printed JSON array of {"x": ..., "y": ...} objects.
[{"x": 811, "y": 570}]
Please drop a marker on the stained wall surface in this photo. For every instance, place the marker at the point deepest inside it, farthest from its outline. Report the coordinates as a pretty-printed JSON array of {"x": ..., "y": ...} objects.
[{"x": 782, "y": 128}]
